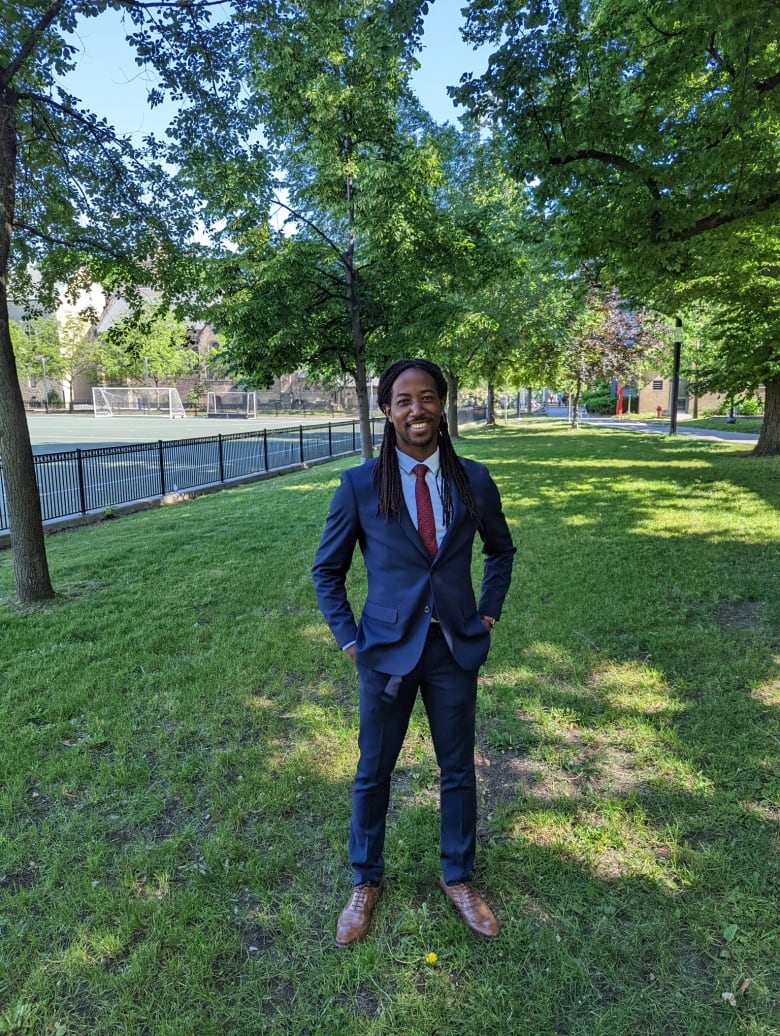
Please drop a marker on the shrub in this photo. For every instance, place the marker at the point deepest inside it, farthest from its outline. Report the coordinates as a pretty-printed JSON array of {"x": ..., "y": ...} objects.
[
  {"x": 598, "y": 400},
  {"x": 748, "y": 406}
]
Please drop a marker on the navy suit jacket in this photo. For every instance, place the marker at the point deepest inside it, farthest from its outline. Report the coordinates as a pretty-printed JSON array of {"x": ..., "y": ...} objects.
[{"x": 404, "y": 584}]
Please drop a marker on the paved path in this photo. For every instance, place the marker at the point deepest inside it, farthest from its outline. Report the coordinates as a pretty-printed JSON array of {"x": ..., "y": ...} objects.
[
  {"x": 658, "y": 427},
  {"x": 663, "y": 429}
]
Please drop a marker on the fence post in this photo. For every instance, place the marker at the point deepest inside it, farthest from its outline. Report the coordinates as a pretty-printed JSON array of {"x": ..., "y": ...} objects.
[
  {"x": 221, "y": 458},
  {"x": 161, "y": 456},
  {"x": 80, "y": 470},
  {"x": 265, "y": 448},
  {"x": 330, "y": 439},
  {"x": 354, "y": 440},
  {"x": 300, "y": 442}
]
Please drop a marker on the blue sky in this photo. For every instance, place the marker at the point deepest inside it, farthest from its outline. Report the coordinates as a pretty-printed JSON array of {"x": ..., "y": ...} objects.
[{"x": 111, "y": 85}]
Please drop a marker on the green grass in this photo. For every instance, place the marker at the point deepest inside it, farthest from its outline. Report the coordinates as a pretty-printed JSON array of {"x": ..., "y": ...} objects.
[
  {"x": 751, "y": 425},
  {"x": 180, "y": 742}
]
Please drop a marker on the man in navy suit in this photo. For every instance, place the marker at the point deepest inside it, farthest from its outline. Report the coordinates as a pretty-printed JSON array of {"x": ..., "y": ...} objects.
[{"x": 420, "y": 628}]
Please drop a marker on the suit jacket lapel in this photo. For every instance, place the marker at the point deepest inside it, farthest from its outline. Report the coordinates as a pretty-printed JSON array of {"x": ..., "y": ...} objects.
[
  {"x": 458, "y": 511},
  {"x": 408, "y": 527}
]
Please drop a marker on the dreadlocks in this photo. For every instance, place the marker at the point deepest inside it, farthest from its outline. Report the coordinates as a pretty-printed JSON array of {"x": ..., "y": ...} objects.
[{"x": 386, "y": 474}]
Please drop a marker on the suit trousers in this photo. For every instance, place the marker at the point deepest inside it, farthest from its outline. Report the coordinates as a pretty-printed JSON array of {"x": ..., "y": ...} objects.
[{"x": 449, "y": 695}]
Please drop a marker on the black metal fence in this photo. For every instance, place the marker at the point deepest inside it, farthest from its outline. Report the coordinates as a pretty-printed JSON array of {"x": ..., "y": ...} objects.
[{"x": 75, "y": 482}]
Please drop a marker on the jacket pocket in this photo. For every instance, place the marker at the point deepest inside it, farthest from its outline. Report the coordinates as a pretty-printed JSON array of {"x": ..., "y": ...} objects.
[
  {"x": 380, "y": 613},
  {"x": 472, "y": 624}
]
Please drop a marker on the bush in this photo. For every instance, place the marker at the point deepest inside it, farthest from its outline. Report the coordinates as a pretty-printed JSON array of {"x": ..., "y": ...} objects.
[
  {"x": 748, "y": 406},
  {"x": 598, "y": 401}
]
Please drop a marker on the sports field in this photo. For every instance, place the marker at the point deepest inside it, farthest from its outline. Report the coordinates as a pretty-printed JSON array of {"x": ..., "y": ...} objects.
[
  {"x": 54, "y": 432},
  {"x": 88, "y": 464}
]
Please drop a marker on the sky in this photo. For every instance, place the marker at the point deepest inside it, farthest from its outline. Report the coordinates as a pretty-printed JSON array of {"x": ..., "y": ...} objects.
[{"x": 110, "y": 84}]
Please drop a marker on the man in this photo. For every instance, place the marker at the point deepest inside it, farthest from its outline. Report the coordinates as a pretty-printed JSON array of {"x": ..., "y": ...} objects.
[{"x": 414, "y": 512}]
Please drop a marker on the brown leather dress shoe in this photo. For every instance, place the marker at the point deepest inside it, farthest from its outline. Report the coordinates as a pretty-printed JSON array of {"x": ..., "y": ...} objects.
[
  {"x": 355, "y": 919},
  {"x": 473, "y": 909}
]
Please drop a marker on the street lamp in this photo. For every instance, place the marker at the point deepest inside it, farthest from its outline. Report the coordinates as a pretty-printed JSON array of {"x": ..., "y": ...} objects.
[
  {"x": 45, "y": 384},
  {"x": 675, "y": 376},
  {"x": 146, "y": 383}
]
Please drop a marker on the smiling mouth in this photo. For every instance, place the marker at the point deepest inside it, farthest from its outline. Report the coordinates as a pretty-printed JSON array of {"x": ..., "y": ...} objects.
[{"x": 418, "y": 426}]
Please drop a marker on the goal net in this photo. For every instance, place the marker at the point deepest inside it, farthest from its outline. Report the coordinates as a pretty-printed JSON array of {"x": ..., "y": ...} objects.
[
  {"x": 231, "y": 404},
  {"x": 137, "y": 402}
]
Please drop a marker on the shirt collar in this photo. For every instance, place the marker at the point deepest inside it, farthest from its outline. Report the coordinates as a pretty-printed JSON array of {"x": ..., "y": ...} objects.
[{"x": 407, "y": 463}]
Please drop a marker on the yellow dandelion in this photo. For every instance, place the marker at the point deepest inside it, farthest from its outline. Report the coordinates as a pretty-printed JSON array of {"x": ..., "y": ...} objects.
[{"x": 431, "y": 958}]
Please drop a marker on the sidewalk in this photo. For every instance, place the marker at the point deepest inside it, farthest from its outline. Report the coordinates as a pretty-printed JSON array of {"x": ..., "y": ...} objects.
[{"x": 658, "y": 427}]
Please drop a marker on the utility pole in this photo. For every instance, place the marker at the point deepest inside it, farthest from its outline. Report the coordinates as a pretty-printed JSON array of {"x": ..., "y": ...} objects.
[
  {"x": 675, "y": 376},
  {"x": 45, "y": 384}
]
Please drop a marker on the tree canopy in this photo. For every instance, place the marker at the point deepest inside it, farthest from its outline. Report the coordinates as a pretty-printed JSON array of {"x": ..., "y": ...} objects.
[
  {"x": 652, "y": 133},
  {"x": 79, "y": 203},
  {"x": 330, "y": 80}
]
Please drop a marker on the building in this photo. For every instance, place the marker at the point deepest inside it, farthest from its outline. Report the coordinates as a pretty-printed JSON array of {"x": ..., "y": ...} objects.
[{"x": 657, "y": 394}]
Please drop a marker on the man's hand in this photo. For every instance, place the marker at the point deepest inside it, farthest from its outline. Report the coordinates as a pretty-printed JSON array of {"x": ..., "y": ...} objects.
[
  {"x": 351, "y": 652},
  {"x": 488, "y": 622}
]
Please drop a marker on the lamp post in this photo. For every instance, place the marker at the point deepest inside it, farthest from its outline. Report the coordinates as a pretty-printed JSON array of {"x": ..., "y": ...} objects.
[
  {"x": 146, "y": 383},
  {"x": 675, "y": 376},
  {"x": 45, "y": 384}
]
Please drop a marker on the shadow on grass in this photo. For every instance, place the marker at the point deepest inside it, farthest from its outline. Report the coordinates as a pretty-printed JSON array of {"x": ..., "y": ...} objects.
[{"x": 176, "y": 796}]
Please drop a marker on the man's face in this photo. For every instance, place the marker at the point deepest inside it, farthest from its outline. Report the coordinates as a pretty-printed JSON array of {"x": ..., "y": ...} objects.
[{"x": 415, "y": 411}]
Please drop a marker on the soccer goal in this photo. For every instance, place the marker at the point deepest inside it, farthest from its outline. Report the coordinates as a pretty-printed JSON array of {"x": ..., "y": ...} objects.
[
  {"x": 231, "y": 404},
  {"x": 137, "y": 401}
]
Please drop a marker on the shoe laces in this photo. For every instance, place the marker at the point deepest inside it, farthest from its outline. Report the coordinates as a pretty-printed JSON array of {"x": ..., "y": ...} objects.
[{"x": 360, "y": 894}]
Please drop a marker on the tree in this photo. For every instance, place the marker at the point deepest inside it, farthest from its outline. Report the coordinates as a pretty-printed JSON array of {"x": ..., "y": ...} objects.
[
  {"x": 76, "y": 349},
  {"x": 36, "y": 344},
  {"x": 738, "y": 314},
  {"x": 651, "y": 130},
  {"x": 607, "y": 340},
  {"x": 80, "y": 204},
  {"x": 329, "y": 76},
  {"x": 149, "y": 343},
  {"x": 495, "y": 296}
]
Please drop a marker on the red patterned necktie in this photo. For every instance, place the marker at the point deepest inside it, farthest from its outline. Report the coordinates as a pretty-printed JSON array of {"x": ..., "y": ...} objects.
[{"x": 426, "y": 523}]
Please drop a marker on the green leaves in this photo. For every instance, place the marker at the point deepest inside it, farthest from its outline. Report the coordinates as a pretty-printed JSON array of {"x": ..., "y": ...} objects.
[{"x": 651, "y": 135}]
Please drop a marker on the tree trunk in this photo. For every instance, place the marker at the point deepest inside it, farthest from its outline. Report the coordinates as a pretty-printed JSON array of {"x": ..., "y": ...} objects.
[
  {"x": 361, "y": 384},
  {"x": 359, "y": 342},
  {"x": 490, "y": 405},
  {"x": 575, "y": 402},
  {"x": 452, "y": 404},
  {"x": 768, "y": 444},
  {"x": 530, "y": 400},
  {"x": 28, "y": 550}
]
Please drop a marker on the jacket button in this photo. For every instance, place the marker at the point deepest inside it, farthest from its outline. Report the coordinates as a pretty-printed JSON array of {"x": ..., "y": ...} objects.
[{"x": 426, "y": 609}]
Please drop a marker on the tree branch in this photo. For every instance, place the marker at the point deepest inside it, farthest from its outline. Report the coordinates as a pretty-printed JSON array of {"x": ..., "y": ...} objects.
[
  {"x": 312, "y": 226},
  {"x": 53, "y": 239},
  {"x": 720, "y": 219},
  {"x": 662, "y": 32},
  {"x": 718, "y": 58},
  {"x": 768, "y": 84},
  {"x": 32, "y": 41},
  {"x": 606, "y": 158}
]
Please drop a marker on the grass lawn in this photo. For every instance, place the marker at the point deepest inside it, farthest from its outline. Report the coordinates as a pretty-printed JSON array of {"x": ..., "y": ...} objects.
[
  {"x": 180, "y": 742},
  {"x": 751, "y": 425}
]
